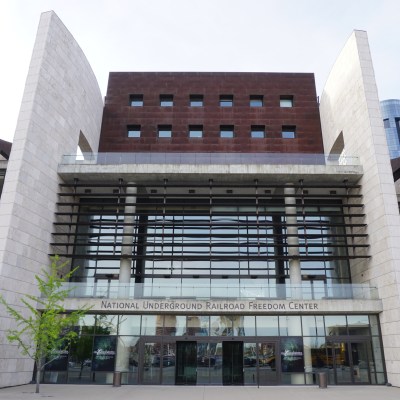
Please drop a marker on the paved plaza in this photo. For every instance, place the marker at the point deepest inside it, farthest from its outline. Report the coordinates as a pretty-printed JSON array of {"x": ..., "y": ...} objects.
[{"x": 88, "y": 392}]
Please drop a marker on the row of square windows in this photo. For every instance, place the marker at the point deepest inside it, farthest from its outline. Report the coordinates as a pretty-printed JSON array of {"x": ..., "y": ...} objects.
[
  {"x": 225, "y": 131},
  {"x": 197, "y": 100}
]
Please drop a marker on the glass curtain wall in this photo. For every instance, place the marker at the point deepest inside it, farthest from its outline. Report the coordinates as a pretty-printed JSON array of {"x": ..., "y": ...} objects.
[
  {"x": 211, "y": 244},
  {"x": 98, "y": 234}
]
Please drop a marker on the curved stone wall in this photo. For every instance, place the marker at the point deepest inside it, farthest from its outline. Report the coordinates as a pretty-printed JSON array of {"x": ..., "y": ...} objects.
[
  {"x": 61, "y": 100},
  {"x": 350, "y": 105}
]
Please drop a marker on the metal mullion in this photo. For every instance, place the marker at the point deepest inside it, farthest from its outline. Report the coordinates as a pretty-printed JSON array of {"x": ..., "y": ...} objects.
[
  {"x": 257, "y": 219},
  {"x": 325, "y": 214},
  {"x": 142, "y": 205},
  {"x": 206, "y": 257},
  {"x": 71, "y": 217},
  {"x": 303, "y": 214},
  {"x": 120, "y": 189},
  {"x": 163, "y": 214},
  {"x": 350, "y": 219},
  {"x": 95, "y": 185},
  {"x": 227, "y": 244},
  {"x": 182, "y": 227},
  {"x": 211, "y": 227},
  {"x": 172, "y": 243},
  {"x": 309, "y": 224}
]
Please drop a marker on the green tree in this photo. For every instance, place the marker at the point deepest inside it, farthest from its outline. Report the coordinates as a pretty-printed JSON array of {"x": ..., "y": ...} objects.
[{"x": 47, "y": 327}]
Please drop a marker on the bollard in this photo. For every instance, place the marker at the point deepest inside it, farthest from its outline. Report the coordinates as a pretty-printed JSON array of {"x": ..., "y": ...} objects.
[
  {"x": 117, "y": 379},
  {"x": 323, "y": 381}
]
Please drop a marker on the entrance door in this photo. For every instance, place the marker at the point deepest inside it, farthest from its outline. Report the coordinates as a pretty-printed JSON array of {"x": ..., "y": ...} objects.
[
  {"x": 152, "y": 361},
  {"x": 349, "y": 362},
  {"x": 232, "y": 363},
  {"x": 250, "y": 363},
  {"x": 168, "y": 363},
  {"x": 268, "y": 363},
  {"x": 186, "y": 363},
  {"x": 341, "y": 365},
  {"x": 361, "y": 358}
]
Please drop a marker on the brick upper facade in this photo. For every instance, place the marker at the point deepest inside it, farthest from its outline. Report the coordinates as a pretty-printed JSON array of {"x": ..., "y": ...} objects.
[{"x": 119, "y": 114}]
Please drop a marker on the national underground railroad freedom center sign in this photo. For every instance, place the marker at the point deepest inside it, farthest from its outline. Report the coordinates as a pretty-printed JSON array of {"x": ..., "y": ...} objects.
[{"x": 225, "y": 306}]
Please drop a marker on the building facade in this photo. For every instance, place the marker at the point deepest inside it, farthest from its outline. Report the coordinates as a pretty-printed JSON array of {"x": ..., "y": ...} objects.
[
  {"x": 391, "y": 121},
  {"x": 228, "y": 228}
]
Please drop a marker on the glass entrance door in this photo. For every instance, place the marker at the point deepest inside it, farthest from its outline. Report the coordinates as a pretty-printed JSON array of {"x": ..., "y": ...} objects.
[
  {"x": 186, "y": 363},
  {"x": 209, "y": 362},
  {"x": 361, "y": 359},
  {"x": 349, "y": 362},
  {"x": 250, "y": 363},
  {"x": 341, "y": 366},
  {"x": 151, "y": 356},
  {"x": 232, "y": 363},
  {"x": 168, "y": 363},
  {"x": 268, "y": 363}
]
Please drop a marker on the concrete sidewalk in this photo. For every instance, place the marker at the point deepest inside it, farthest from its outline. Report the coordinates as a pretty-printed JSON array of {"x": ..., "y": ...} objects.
[{"x": 88, "y": 392}]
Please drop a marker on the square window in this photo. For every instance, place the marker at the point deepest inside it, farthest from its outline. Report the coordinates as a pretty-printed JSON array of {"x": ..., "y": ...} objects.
[
  {"x": 195, "y": 131},
  {"x": 196, "y": 100},
  {"x": 257, "y": 131},
  {"x": 166, "y": 100},
  {"x": 256, "y": 101},
  {"x": 226, "y": 100},
  {"x": 164, "y": 131},
  {"x": 226, "y": 131},
  {"x": 288, "y": 132},
  {"x": 134, "y": 131},
  {"x": 286, "y": 101},
  {"x": 386, "y": 123},
  {"x": 136, "y": 100}
]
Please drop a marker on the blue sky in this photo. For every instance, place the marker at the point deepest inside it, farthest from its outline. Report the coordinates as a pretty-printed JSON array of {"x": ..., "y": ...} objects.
[{"x": 204, "y": 35}]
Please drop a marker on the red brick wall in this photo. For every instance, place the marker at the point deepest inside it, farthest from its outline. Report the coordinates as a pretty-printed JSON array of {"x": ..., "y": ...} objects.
[{"x": 118, "y": 113}]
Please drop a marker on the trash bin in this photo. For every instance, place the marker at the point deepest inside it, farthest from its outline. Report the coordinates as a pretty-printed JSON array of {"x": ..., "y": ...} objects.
[
  {"x": 117, "y": 379},
  {"x": 322, "y": 380}
]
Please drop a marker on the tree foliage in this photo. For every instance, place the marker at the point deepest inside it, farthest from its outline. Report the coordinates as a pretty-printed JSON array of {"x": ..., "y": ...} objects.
[{"x": 45, "y": 326}]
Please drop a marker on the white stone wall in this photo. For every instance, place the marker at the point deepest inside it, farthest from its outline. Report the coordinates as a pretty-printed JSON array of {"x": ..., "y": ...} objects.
[
  {"x": 61, "y": 99},
  {"x": 350, "y": 104}
]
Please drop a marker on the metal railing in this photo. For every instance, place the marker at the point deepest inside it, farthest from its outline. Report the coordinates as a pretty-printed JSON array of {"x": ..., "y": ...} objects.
[
  {"x": 115, "y": 290},
  {"x": 207, "y": 159}
]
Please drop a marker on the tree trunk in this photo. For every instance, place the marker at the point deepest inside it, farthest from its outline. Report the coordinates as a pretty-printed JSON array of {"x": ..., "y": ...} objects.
[{"x": 38, "y": 370}]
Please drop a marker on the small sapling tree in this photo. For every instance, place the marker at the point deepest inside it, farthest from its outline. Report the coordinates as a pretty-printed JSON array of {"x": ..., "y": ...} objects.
[{"x": 46, "y": 328}]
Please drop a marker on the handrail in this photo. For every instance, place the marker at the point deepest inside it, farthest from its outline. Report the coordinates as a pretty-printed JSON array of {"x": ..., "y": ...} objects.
[{"x": 313, "y": 291}]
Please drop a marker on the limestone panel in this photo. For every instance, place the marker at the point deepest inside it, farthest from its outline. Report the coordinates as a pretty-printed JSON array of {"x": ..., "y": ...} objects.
[
  {"x": 61, "y": 99},
  {"x": 350, "y": 104}
]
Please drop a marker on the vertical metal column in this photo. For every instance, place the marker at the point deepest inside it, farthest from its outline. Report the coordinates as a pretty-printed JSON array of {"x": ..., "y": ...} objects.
[
  {"x": 294, "y": 262},
  {"x": 293, "y": 241},
  {"x": 125, "y": 269},
  {"x": 210, "y": 181}
]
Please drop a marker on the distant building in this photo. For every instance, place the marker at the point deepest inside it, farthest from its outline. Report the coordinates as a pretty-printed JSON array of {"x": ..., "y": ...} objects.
[
  {"x": 5, "y": 149},
  {"x": 229, "y": 229},
  {"x": 395, "y": 162},
  {"x": 391, "y": 122}
]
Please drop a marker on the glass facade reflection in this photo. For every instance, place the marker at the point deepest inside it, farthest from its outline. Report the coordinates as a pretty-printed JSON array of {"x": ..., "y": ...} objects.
[
  {"x": 204, "y": 238},
  {"x": 391, "y": 122},
  {"x": 222, "y": 350}
]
